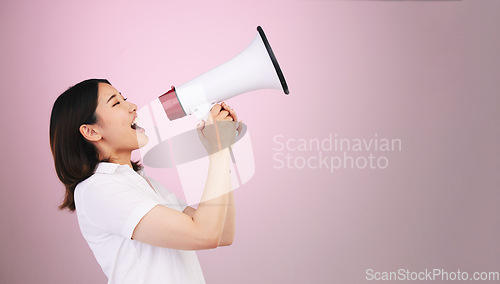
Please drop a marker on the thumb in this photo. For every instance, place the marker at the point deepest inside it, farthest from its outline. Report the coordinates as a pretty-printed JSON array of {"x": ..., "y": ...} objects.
[
  {"x": 201, "y": 124},
  {"x": 240, "y": 126},
  {"x": 200, "y": 128}
]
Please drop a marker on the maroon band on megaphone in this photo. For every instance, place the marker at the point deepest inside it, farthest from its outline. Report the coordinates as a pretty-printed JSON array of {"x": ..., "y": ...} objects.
[{"x": 171, "y": 105}]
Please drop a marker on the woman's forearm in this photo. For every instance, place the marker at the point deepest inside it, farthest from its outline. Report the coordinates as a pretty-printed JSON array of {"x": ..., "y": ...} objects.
[
  {"x": 229, "y": 224},
  {"x": 210, "y": 215}
]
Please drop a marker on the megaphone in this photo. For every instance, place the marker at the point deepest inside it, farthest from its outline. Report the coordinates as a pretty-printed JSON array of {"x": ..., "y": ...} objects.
[{"x": 254, "y": 68}]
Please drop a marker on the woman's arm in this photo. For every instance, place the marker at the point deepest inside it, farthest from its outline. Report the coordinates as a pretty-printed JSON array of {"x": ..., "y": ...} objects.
[
  {"x": 229, "y": 224},
  {"x": 166, "y": 227}
]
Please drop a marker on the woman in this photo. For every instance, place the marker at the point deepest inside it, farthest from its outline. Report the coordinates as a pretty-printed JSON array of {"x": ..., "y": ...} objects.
[{"x": 137, "y": 230}]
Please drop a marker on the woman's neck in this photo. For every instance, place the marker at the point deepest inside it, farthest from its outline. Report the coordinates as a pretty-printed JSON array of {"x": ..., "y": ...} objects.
[{"x": 121, "y": 159}]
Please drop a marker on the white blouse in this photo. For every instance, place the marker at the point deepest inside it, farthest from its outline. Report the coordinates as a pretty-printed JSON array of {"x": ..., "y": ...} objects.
[{"x": 109, "y": 205}]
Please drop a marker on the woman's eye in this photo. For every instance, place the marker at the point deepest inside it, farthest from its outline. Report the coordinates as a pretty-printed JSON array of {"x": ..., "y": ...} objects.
[{"x": 119, "y": 102}]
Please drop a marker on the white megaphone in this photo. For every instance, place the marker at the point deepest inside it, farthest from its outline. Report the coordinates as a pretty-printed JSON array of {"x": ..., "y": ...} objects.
[{"x": 254, "y": 68}]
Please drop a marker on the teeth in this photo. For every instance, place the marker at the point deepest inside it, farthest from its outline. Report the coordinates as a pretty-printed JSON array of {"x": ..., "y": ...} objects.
[{"x": 135, "y": 121}]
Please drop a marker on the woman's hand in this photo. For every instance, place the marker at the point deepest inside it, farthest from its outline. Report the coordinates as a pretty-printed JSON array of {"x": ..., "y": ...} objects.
[{"x": 219, "y": 131}]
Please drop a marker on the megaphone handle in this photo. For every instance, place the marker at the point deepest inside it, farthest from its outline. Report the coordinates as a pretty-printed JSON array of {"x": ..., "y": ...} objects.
[{"x": 203, "y": 111}]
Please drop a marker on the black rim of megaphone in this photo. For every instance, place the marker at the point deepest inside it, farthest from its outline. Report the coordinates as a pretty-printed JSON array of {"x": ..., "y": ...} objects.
[{"x": 273, "y": 59}]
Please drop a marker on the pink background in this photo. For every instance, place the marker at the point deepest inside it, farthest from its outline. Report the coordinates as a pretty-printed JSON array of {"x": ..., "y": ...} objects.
[{"x": 424, "y": 72}]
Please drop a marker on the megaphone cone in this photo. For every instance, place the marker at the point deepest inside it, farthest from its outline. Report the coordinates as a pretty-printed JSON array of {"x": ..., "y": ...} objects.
[{"x": 254, "y": 68}]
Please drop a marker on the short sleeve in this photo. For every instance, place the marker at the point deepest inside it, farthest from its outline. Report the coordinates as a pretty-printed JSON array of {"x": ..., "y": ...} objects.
[{"x": 112, "y": 205}]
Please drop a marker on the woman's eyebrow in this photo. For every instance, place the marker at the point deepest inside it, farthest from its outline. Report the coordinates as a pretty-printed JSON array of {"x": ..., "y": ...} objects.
[{"x": 114, "y": 95}]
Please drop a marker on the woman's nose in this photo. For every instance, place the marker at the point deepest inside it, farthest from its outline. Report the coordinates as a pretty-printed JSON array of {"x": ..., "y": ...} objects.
[{"x": 132, "y": 107}]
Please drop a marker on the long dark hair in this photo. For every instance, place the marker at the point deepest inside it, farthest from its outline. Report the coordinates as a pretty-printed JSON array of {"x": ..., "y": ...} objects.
[{"x": 75, "y": 158}]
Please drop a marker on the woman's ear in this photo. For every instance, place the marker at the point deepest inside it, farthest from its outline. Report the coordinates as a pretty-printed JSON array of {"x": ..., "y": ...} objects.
[{"x": 90, "y": 132}]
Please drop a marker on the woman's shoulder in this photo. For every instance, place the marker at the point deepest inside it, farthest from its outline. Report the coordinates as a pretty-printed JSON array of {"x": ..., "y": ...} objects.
[
  {"x": 97, "y": 179},
  {"x": 106, "y": 177}
]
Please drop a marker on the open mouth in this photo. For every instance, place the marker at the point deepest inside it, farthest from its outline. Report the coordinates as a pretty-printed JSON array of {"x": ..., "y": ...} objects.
[{"x": 135, "y": 126}]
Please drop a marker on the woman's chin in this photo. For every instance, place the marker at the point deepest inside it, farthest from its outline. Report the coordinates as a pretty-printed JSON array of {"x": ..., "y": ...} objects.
[{"x": 142, "y": 140}]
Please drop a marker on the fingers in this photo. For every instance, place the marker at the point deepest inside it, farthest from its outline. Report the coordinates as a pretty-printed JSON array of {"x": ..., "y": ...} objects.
[
  {"x": 232, "y": 113},
  {"x": 218, "y": 113},
  {"x": 214, "y": 133},
  {"x": 240, "y": 126},
  {"x": 224, "y": 116},
  {"x": 215, "y": 110},
  {"x": 223, "y": 112}
]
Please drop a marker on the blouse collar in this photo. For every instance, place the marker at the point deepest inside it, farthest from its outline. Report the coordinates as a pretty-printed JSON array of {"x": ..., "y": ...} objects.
[{"x": 111, "y": 168}]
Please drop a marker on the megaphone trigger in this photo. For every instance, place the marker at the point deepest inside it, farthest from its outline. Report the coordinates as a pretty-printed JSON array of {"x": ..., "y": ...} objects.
[{"x": 202, "y": 111}]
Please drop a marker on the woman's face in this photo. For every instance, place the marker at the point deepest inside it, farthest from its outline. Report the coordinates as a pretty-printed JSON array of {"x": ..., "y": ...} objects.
[{"x": 116, "y": 122}]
